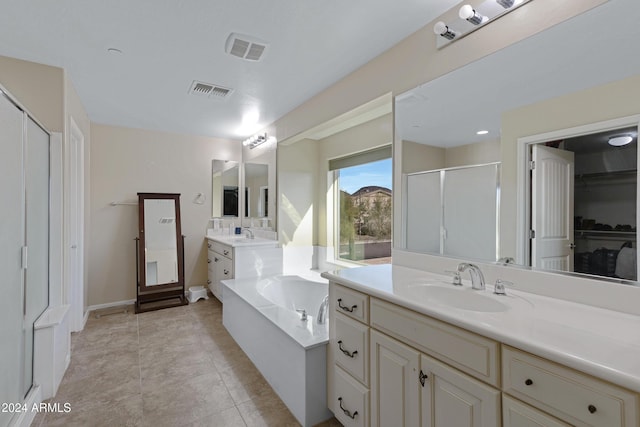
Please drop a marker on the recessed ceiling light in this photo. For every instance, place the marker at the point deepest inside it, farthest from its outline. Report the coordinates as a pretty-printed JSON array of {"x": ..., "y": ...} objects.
[
  {"x": 482, "y": 132},
  {"x": 114, "y": 51},
  {"x": 620, "y": 140}
]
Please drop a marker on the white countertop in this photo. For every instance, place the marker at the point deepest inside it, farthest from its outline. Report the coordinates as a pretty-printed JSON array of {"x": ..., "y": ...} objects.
[
  {"x": 599, "y": 342},
  {"x": 240, "y": 240}
]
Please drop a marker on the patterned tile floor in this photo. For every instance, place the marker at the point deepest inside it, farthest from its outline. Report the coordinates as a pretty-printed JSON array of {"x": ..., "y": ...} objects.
[{"x": 171, "y": 367}]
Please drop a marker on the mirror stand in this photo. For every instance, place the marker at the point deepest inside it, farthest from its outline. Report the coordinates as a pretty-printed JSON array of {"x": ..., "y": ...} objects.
[{"x": 159, "y": 253}]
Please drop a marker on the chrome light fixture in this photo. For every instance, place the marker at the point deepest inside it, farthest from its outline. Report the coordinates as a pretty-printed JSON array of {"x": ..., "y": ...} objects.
[
  {"x": 620, "y": 140},
  {"x": 443, "y": 30},
  {"x": 505, "y": 3},
  {"x": 258, "y": 139},
  {"x": 468, "y": 13}
]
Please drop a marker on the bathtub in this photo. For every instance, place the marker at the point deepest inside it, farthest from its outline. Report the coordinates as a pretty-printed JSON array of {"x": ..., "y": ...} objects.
[{"x": 260, "y": 314}]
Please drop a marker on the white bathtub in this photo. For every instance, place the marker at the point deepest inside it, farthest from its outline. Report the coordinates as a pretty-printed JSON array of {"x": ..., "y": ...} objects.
[{"x": 290, "y": 353}]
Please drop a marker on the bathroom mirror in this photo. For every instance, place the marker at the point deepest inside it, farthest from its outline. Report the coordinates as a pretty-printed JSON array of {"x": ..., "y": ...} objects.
[
  {"x": 225, "y": 180},
  {"x": 256, "y": 182},
  {"x": 160, "y": 249},
  {"x": 259, "y": 182},
  {"x": 567, "y": 76}
]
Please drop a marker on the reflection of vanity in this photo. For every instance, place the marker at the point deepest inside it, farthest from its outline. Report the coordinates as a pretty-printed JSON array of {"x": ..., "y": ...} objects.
[
  {"x": 237, "y": 257},
  {"x": 397, "y": 353}
]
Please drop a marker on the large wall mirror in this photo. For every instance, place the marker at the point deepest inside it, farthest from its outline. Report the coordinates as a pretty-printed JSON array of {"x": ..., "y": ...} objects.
[
  {"x": 259, "y": 181},
  {"x": 160, "y": 251},
  {"x": 571, "y": 76},
  {"x": 225, "y": 185}
]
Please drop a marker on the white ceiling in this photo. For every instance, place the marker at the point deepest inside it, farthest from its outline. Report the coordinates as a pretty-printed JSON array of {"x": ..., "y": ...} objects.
[
  {"x": 167, "y": 44},
  {"x": 591, "y": 49}
]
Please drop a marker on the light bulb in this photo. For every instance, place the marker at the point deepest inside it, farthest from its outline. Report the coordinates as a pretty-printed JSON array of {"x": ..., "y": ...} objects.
[
  {"x": 467, "y": 12},
  {"x": 441, "y": 29}
]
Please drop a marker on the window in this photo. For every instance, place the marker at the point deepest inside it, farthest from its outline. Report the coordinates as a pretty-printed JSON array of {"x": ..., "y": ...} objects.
[{"x": 364, "y": 204}]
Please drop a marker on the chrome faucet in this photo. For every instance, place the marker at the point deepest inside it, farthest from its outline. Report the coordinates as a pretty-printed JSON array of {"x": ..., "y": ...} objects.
[
  {"x": 303, "y": 313},
  {"x": 477, "y": 279},
  {"x": 249, "y": 233},
  {"x": 323, "y": 310}
]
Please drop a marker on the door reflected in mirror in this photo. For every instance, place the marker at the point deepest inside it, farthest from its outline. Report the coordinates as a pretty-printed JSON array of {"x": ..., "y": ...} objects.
[{"x": 225, "y": 180}]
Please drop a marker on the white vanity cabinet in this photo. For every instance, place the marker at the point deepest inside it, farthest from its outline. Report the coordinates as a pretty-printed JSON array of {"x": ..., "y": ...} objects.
[
  {"x": 220, "y": 265},
  {"x": 395, "y": 378},
  {"x": 390, "y": 365}
]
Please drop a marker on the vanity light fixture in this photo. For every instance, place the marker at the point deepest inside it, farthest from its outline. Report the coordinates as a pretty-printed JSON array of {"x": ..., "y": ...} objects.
[
  {"x": 471, "y": 17},
  {"x": 468, "y": 13},
  {"x": 505, "y": 3},
  {"x": 443, "y": 30},
  {"x": 258, "y": 139},
  {"x": 620, "y": 140}
]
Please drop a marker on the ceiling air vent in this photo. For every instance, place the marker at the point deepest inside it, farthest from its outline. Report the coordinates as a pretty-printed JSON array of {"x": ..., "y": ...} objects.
[
  {"x": 209, "y": 90},
  {"x": 245, "y": 47}
]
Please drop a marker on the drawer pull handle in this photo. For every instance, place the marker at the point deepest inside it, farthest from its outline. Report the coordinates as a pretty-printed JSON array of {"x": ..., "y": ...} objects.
[
  {"x": 345, "y": 308},
  {"x": 226, "y": 272},
  {"x": 592, "y": 409},
  {"x": 209, "y": 245},
  {"x": 346, "y": 411},
  {"x": 351, "y": 355},
  {"x": 208, "y": 282},
  {"x": 225, "y": 252},
  {"x": 422, "y": 377},
  {"x": 529, "y": 381},
  {"x": 216, "y": 259}
]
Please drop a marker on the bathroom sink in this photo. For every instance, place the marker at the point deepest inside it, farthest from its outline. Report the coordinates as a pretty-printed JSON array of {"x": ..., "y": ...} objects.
[{"x": 461, "y": 298}]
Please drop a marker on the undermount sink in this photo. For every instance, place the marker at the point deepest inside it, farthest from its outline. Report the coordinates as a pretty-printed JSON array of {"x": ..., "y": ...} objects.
[{"x": 461, "y": 298}]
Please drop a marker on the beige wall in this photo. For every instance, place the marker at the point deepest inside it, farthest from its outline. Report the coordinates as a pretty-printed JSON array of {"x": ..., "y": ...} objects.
[
  {"x": 473, "y": 154},
  {"x": 610, "y": 101},
  {"x": 297, "y": 193},
  {"x": 127, "y": 161},
  {"x": 420, "y": 157},
  {"x": 39, "y": 88}
]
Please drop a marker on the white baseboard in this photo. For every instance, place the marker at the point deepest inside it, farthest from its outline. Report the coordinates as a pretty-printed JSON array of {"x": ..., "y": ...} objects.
[
  {"x": 25, "y": 418},
  {"x": 86, "y": 317},
  {"x": 109, "y": 305}
]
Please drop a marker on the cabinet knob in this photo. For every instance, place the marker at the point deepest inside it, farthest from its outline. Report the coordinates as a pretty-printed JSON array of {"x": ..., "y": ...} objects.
[
  {"x": 529, "y": 381},
  {"x": 592, "y": 409}
]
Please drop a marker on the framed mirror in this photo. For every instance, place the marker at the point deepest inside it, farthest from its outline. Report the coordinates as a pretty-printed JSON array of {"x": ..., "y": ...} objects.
[
  {"x": 225, "y": 184},
  {"x": 160, "y": 250},
  {"x": 256, "y": 182},
  {"x": 547, "y": 90}
]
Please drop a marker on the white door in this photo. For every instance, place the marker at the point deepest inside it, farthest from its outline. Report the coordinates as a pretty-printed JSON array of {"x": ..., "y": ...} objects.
[
  {"x": 552, "y": 190},
  {"x": 395, "y": 383},
  {"x": 75, "y": 260}
]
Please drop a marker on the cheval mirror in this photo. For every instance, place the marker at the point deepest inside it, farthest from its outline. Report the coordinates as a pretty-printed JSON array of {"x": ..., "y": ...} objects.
[{"x": 160, "y": 252}]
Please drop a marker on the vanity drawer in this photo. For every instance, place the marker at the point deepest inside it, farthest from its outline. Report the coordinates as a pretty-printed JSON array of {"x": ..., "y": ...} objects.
[
  {"x": 569, "y": 395},
  {"x": 351, "y": 303},
  {"x": 352, "y": 347},
  {"x": 518, "y": 414},
  {"x": 351, "y": 400},
  {"x": 475, "y": 355},
  {"x": 222, "y": 249}
]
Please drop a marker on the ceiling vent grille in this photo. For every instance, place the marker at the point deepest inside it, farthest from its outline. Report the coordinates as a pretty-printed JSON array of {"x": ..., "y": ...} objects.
[
  {"x": 208, "y": 90},
  {"x": 245, "y": 47}
]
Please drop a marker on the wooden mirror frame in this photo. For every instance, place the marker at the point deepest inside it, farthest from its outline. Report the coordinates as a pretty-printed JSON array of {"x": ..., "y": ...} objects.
[{"x": 164, "y": 291}]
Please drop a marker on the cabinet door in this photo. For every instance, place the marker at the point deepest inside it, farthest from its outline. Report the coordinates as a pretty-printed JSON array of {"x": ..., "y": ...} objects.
[
  {"x": 518, "y": 414},
  {"x": 451, "y": 398},
  {"x": 223, "y": 270},
  {"x": 395, "y": 383}
]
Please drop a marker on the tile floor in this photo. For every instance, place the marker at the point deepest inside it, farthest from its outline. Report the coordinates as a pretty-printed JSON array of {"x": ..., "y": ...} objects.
[{"x": 171, "y": 367}]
